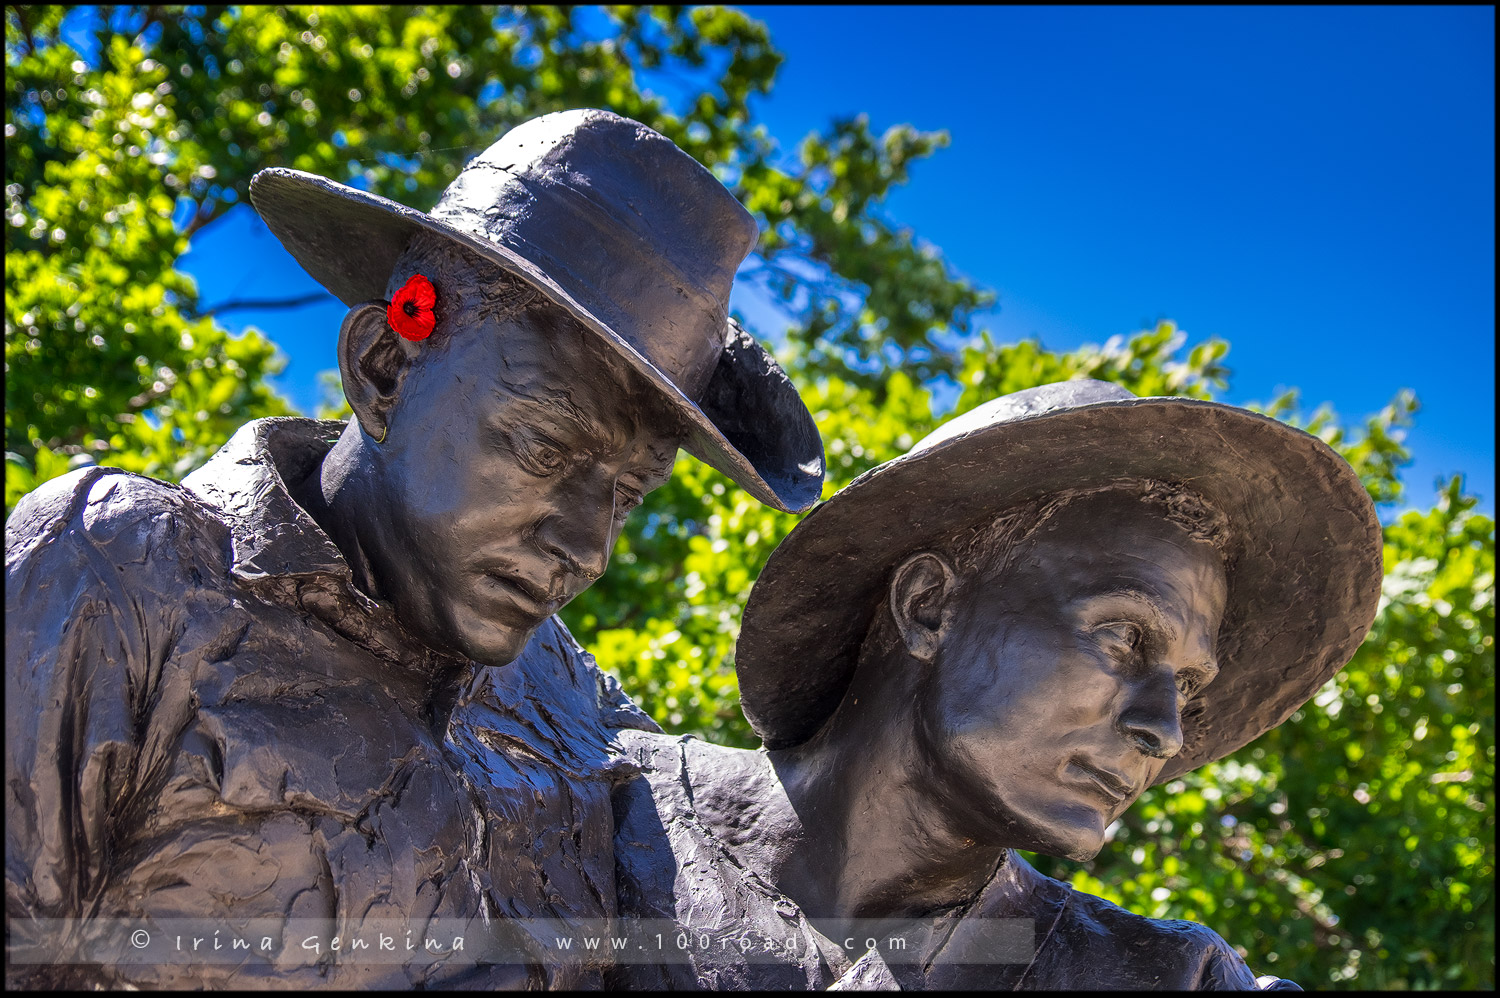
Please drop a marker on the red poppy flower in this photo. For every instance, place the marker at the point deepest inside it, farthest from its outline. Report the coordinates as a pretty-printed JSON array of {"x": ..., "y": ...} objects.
[{"x": 410, "y": 312}]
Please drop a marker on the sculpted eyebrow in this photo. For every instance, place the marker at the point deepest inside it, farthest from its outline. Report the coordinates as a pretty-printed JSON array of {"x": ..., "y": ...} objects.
[
  {"x": 663, "y": 455},
  {"x": 1142, "y": 600},
  {"x": 1153, "y": 609},
  {"x": 558, "y": 406}
]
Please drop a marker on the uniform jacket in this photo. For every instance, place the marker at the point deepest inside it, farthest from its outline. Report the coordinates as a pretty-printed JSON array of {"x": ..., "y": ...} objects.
[
  {"x": 198, "y": 725},
  {"x": 679, "y": 860}
]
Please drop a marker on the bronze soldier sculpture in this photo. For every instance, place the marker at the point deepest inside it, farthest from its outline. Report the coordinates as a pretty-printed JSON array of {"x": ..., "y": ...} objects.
[
  {"x": 993, "y": 643},
  {"x": 231, "y": 699}
]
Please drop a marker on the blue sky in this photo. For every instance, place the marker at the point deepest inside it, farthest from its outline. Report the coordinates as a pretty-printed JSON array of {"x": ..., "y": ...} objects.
[{"x": 1314, "y": 185}]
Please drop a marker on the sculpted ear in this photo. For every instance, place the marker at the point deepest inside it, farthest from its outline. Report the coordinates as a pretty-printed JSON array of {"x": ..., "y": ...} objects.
[
  {"x": 373, "y": 361},
  {"x": 919, "y": 592}
]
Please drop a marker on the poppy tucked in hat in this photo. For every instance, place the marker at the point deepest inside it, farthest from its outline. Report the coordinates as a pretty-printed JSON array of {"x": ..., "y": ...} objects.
[
  {"x": 1304, "y": 583},
  {"x": 626, "y": 233}
]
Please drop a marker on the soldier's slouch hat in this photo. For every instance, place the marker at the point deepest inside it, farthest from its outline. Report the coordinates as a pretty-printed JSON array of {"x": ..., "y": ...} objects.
[
  {"x": 627, "y": 234},
  {"x": 1304, "y": 576}
]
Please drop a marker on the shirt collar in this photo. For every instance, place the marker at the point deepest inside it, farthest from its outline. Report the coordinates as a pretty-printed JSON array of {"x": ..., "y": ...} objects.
[
  {"x": 279, "y": 550},
  {"x": 246, "y": 480}
]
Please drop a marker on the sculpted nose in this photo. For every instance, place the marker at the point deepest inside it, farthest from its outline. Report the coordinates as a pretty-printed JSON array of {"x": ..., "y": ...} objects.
[
  {"x": 580, "y": 537},
  {"x": 1151, "y": 721}
]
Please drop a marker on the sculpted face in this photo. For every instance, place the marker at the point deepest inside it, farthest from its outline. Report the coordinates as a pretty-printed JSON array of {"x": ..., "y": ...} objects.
[
  {"x": 1056, "y": 694},
  {"x": 511, "y": 462}
]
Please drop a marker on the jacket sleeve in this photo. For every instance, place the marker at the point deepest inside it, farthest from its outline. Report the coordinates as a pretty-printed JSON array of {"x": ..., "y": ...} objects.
[
  {"x": 1225, "y": 970},
  {"x": 89, "y": 623}
]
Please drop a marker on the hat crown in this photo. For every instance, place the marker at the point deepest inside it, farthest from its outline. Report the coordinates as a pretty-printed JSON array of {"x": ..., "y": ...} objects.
[
  {"x": 1027, "y": 402},
  {"x": 627, "y": 235},
  {"x": 628, "y": 225}
]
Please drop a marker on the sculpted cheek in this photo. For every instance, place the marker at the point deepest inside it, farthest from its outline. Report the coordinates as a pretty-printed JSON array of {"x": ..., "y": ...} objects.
[{"x": 971, "y": 691}]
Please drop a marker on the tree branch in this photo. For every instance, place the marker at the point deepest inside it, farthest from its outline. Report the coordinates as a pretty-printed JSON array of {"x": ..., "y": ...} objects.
[
  {"x": 154, "y": 13},
  {"x": 20, "y": 13},
  {"x": 1323, "y": 930},
  {"x": 269, "y": 303},
  {"x": 207, "y": 212}
]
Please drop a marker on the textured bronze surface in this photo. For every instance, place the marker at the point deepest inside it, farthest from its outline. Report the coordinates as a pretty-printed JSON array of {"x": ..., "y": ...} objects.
[
  {"x": 321, "y": 681},
  {"x": 207, "y": 720},
  {"x": 996, "y": 643},
  {"x": 1306, "y": 577}
]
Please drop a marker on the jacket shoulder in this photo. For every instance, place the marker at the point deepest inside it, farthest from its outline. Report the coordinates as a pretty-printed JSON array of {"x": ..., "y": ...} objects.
[
  {"x": 135, "y": 518},
  {"x": 1159, "y": 952}
]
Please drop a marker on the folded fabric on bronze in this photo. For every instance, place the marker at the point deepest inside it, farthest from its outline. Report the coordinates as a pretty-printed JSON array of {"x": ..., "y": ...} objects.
[{"x": 216, "y": 737}]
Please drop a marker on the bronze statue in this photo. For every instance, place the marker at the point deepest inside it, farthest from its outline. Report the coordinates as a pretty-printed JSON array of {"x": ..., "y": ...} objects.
[
  {"x": 994, "y": 643},
  {"x": 231, "y": 699}
]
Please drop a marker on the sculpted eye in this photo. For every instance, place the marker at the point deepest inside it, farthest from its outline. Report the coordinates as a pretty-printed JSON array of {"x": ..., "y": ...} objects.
[
  {"x": 541, "y": 457},
  {"x": 1190, "y": 684},
  {"x": 626, "y": 499},
  {"x": 1119, "y": 637},
  {"x": 549, "y": 457}
]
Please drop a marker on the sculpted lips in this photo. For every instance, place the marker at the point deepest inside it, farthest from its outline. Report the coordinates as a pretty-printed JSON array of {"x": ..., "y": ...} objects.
[
  {"x": 530, "y": 598},
  {"x": 1112, "y": 787}
]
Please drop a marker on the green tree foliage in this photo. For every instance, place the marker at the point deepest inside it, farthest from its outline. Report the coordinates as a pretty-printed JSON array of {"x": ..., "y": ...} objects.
[
  {"x": 1354, "y": 845},
  {"x": 107, "y": 352},
  {"x": 105, "y": 356}
]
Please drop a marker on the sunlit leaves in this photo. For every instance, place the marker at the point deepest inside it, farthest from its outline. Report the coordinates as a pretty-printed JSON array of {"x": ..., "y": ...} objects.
[
  {"x": 1355, "y": 844},
  {"x": 1352, "y": 845},
  {"x": 105, "y": 358},
  {"x": 865, "y": 295},
  {"x": 182, "y": 105}
]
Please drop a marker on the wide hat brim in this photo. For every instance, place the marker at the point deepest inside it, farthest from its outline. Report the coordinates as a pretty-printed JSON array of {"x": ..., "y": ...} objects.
[
  {"x": 1304, "y": 585},
  {"x": 749, "y": 423}
]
